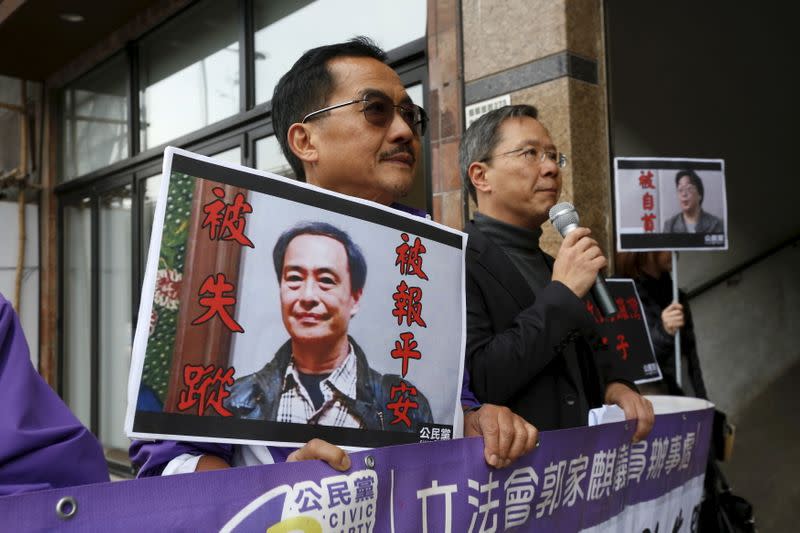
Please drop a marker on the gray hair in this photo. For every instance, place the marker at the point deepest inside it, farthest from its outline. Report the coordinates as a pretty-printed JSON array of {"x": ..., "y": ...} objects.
[{"x": 482, "y": 137}]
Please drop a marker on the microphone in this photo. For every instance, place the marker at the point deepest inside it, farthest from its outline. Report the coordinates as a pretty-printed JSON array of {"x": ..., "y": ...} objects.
[{"x": 565, "y": 219}]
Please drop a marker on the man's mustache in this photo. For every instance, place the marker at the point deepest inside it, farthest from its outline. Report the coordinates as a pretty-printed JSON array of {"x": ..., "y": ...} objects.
[{"x": 400, "y": 149}]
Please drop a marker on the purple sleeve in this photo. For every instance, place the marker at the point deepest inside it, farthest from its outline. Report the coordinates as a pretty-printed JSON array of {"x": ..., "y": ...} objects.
[
  {"x": 468, "y": 398},
  {"x": 42, "y": 444},
  {"x": 150, "y": 457}
]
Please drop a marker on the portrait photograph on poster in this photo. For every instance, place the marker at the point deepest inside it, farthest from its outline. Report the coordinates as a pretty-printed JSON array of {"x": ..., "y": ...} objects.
[
  {"x": 670, "y": 204},
  {"x": 274, "y": 312}
]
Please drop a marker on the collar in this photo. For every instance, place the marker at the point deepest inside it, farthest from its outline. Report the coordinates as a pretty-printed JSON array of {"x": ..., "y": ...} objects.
[
  {"x": 341, "y": 380},
  {"x": 507, "y": 235}
]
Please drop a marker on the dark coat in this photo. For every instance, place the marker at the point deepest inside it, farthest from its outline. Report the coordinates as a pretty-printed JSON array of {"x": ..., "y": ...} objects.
[
  {"x": 707, "y": 223},
  {"x": 656, "y": 295},
  {"x": 257, "y": 396},
  {"x": 530, "y": 352}
]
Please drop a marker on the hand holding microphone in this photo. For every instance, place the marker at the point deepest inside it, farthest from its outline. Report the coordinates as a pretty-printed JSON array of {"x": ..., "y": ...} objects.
[{"x": 580, "y": 259}]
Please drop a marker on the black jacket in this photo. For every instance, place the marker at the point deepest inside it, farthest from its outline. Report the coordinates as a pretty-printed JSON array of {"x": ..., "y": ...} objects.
[
  {"x": 707, "y": 223},
  {"x": 530, "y": 352},
  {"x": 258, "y": 395},
  {"x": 656, "y": 295}
]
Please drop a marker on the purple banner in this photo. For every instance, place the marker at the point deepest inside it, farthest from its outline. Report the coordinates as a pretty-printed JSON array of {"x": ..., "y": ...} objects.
[{"x": 575, "y": 479}]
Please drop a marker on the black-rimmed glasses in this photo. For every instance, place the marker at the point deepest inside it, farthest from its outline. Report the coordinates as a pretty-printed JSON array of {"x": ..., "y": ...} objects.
[
  {"x": 379, "y": 111},
  {"x": 534, "y": 154}
]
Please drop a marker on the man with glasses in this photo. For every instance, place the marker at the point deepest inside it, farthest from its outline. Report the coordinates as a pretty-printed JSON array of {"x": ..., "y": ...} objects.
[
  {"x": 692, "y": 218},
  {"x": 527, "y": 326},
  {"x": 346, "y": 123}
]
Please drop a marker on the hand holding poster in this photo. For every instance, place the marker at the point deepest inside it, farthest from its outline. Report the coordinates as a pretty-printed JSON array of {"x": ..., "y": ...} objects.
[
  {"x": 670, "y": 204},
  {"x": 273, "y": 312}
]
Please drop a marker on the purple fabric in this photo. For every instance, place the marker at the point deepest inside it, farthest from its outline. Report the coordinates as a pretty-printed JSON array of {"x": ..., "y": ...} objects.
[
  {"x": 152, "y": 457},
  {"x": 468, "y": 399},
  {"x": 42, "y": 444},
  {"x": 410, "y": 210},
  {"x": 578, "y": 478}
]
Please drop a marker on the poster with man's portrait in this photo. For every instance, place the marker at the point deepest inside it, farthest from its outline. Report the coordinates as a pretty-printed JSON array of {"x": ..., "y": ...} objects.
[
  {"x": 670, "y": 204},
  {"x": 274, "y": 312}
]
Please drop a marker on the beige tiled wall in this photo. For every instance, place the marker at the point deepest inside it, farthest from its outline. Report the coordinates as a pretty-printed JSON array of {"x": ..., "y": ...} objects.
[{"x": 501, "y": 34}]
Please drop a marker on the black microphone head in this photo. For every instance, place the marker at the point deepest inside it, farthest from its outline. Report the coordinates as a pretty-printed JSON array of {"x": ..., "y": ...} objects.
[{"x": 564, "y": 217}]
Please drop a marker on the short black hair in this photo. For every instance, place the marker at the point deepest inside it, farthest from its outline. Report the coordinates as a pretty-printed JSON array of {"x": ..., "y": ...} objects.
[
  {"x": 355, "y": 258},
  {"x": 482, "y": 137},
  {"x": 695, "y": 179},
  {"x": 307, "y": 86}
]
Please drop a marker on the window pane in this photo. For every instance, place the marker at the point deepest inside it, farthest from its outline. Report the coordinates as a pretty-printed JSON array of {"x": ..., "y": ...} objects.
[
  {"x": 10, "y": 90},
  {"x": 94, "y": 127},
  {"x": 233, "y": 155},
  {"x": 190, "y": 72},
  {"x": 11, "y": 126},
  {"x": 270, "y": 158},
  {"x": 152, "y": 185},
  {"x": 76, "y": 313},
  {"x": 115, "y": 314},
  {"x": 279, "y": 23},
  {"x": 10, "y": 123}
]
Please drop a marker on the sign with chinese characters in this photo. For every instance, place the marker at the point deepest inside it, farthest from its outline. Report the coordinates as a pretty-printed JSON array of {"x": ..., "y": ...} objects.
[
  {"x": 626, "y": 336},
  {"x": 274, "y": 312},
  {"x": 582, "y": 479},
  {"x": 475, "y": 111},
  {"x": 670, "y": 204}
]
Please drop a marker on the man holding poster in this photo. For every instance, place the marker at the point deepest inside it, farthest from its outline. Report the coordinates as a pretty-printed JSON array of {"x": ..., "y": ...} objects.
[{"x": 345, "y": 123}]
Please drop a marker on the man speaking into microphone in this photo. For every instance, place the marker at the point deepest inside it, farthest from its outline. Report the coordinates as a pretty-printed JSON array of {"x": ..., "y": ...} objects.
[{"x": 527, "y": 327}]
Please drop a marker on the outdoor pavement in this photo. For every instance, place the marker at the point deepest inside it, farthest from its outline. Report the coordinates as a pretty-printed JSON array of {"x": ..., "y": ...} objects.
[{"x": 766, "y": 457}]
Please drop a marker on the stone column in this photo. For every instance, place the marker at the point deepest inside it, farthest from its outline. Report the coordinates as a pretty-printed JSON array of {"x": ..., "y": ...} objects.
[
  {"x": 549, "y": 54},
  {"x": 446, "y": 86}
]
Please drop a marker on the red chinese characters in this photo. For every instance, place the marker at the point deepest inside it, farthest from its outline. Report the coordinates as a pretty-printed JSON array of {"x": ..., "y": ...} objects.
[
  {"x": 627, "y": 309},
  {"x": 646, "y": 180},
  {"x": 595, "y": 312},
  {"x": 622, "y": 312},
  {"x": 205, "y": 387},
  {"x": 633, "y": 308},
  {"x": 214, "y": 296},
  {"x": 410, "y": 257},
  {"x": 408, "y": 305},
  {"x": 648, "y": 201},
  {"x": 405, "y": 350},
  {"x": 622, "y": 346},
  {"x": 648, "y": 225},
  {"x": 226, "y": 222},
  {"x": 408, "y": 309},
  {"x": 402, "y": 403}
]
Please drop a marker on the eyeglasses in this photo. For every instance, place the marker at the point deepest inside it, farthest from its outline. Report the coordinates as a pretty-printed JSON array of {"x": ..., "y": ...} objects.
[
  {"x": 379, "y": 111},
  {"x": 688, "y": 189},
  {"x": 533, "y": 154}
]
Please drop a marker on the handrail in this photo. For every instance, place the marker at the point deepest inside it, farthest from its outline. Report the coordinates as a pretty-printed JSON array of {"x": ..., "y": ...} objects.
[{"x": 713, "y": 282}]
